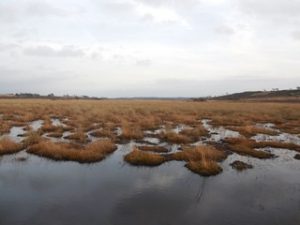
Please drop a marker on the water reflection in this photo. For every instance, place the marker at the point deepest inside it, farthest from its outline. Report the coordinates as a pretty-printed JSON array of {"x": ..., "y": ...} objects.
[{"x": 40, "y": 191}]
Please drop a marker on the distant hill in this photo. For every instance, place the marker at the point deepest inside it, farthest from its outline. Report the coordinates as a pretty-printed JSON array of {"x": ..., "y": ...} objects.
[{"x": 278, "y": 95}]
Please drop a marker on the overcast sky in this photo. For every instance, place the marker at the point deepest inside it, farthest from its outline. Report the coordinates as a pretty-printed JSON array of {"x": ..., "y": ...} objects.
[{"x": 148, "y": 47}]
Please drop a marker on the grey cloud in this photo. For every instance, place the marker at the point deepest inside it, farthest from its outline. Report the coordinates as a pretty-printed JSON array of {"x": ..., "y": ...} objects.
[
  {"x": 271, "y": 8},
  {"x": 224, "y": 29},
  {"x": 65, "y": 51},
  {"x": 13, "y": 11},
  {"x": 296, "y": 35},
  {"x": 144, "y": 62},
  {"x": 173, "y": 3}
]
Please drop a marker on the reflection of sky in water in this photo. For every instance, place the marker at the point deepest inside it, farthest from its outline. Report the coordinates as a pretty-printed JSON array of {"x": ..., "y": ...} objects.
[
  {"x": 218, "y": 133},
  {"x": 40, "y": 191}
]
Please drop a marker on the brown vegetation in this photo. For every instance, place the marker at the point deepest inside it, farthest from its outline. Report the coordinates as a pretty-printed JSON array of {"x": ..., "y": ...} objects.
[
  {"x": 79, "y": 137},
  {"x": 93, "y": 152},
  {"x": 248, "y": 147},
  {"x": 172, "y": 137},
  {"x": 239, "y": 165},
  {"x": 245, "y": 146},
  {"x": 198, "y": 153},
  {"x": 153, "y": 148},
  {"x": 251, "y": 130},
  {"x": 204, "y": 167},
  {"x": 8, "y": 146},
  {"x": 141, "y": 158}
]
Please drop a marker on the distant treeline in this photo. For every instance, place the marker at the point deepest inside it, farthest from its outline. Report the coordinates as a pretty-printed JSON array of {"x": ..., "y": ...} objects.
[{"x": 49, "y": 96}]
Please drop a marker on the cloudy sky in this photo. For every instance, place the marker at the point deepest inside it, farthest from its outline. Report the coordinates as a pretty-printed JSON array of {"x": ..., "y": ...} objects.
[{"x": 148, "y": 47}]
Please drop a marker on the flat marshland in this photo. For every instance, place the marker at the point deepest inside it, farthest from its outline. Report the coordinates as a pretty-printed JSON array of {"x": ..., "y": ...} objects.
[{"x": 118, "y": 156}]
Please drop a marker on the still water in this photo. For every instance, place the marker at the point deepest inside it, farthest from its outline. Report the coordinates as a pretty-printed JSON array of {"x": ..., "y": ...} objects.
[{"x": 39, "y": 191}]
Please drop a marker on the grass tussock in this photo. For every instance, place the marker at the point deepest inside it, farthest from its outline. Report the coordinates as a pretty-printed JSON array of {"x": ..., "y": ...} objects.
[
  {"x": 199, "y": 153},
  {"x": 4, "y": 127},
  {"x": 204, "y": 167},
  {"x": 250, "y": 130},
  {"x": 172, "y": 137},
  {"x": 131, "y": 132},
  {"x": 195, "y": 133},
  {"x": 105, "y": 132},
  {"x": 245, "y": 146},
  {"x": 154, "y": 148},
  {"x": 93, "y": 152},
  {"x": 79, "y": 137},
  {"x": 142, "y": 158},
  {"x": 248, "y": 146},
  {"x": 55, "y": 134},
  {"x": 239, "y": 165},
  {"x": 32, "y": 138},
  {"x": 201, "y": 159},
  {"x": 7, "y": 146}
]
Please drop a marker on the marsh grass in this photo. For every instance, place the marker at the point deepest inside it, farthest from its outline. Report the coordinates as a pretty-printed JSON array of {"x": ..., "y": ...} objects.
[
  {"x": 142, "y": 158},
  {"x": 92, "y": 152},
  {"x": 7, "y": 146},
  {"x": 32, "y": 138},
  {"x": 251, "y": 130},
  {"x": 199, "y": 153},
  {"x": 204, "y": 167},
  {"x": 78, "y": 136},
  {"x": 131, "y": 132},
  {"x": 153, "y": 148},
  {"x": 172, "y": 137},
  {"x": 248, "y": 147}
]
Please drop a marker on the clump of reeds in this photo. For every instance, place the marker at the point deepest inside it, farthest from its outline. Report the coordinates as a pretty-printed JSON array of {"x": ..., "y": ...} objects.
[
  {"x": 204, "y": 167},
  {"x": 195, "y": 133},
  {"x": 142, "y": 158},
  {"x": 4, "y": 127},
  {"x": 103, "y": 133},
  {"x": 245, "y": 146},
  {"x": 92, "y": 152},
  {"x": 31, "y": 139},
  {"x": 248, "y": 146},
  {"x": 153, "y": 148},
  {"x": 7, "y": 146},
  {"x": 55, "y": 134},
  {"x": 78, "y": 136},
  {"x": 250, "y": 130},
  {"x": 239, "y": 165},
  {"x": 172, "y": 137},
  {"x": 131, "y": 131},
  {"x": 198, "y": 152}
]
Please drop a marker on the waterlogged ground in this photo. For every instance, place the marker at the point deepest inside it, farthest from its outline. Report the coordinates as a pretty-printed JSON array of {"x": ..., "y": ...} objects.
[
  {"x": 36, "y": 190},
  {"x": 40, "y": 191}
]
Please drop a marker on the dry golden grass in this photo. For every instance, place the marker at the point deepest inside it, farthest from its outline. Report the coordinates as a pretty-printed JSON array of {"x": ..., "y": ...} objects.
[
  {"x": 204, "y": 167},
  {"x": 136, "y": 116},
  {"x": 248, "y": 146},
  {"x": 31, "y": 139},
  {"x": 199, "y": 153},
  {"x": 153, "y": 148},
  {"x": 245, "y": 146},
  {"x": 172, "y": 137},
  {"x": 195, "y": 133},
  {"x": 8, "y": 146},
  {"x": 106, "y": 132},
  {"x": 141, "y": 158},
  {"x": 4, "y": 127},
  {"x": 251, "y": 130},
  {"x": 131, "y": 131},
  {"x": 79, "y": 137},
  {"x": 93, "y": 152}
]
